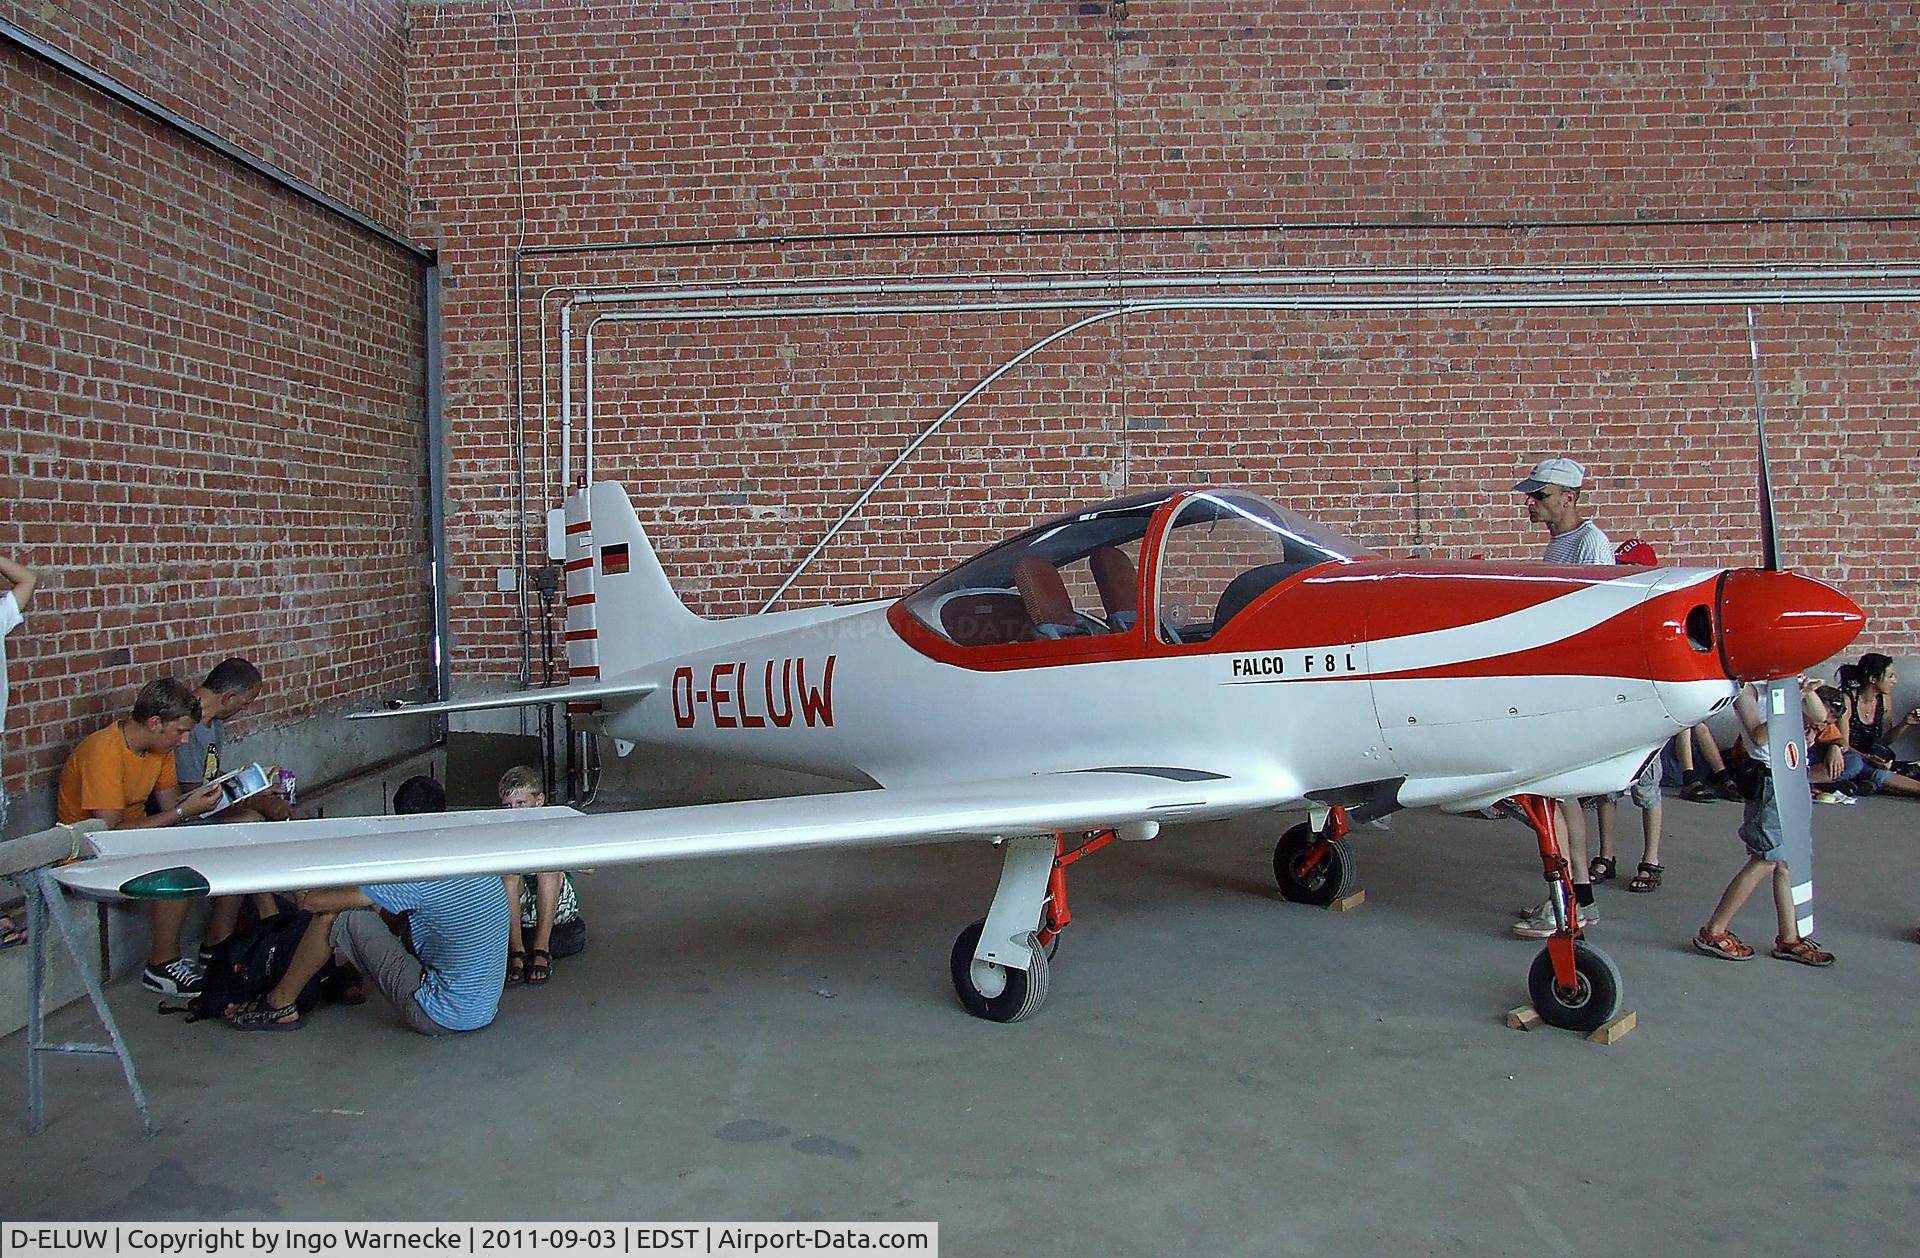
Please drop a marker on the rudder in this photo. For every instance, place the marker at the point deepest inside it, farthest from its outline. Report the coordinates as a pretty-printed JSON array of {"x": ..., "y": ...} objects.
[{"x": 615, "y": 581}]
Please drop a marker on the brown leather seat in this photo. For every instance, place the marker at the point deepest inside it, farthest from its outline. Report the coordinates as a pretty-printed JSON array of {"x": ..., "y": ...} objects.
[
  {"x": 1044, "y": 593},
  {"x": 1119, "y": 585},
  {"x": 985, "y": 619}
]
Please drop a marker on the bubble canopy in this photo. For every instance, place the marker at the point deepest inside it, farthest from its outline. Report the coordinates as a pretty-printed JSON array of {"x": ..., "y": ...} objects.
[{"x": 1078, "y": 575}]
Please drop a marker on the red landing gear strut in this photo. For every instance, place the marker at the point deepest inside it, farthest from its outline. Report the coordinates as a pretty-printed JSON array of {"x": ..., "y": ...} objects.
[
  {"x": 1573, "y": 984},
  {"x": 1055, "y": 916}
]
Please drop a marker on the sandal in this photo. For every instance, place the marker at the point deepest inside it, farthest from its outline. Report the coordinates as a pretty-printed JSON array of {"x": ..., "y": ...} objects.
[
  {"x": 516, "y": 967},
  {"x": 1805, "y": 951},
  {"x": 11, "y": 935},
  {"x": 539, "y": 966},
  {"x": 1648, "y": 878},
  {"x": 1601, "y": 869},
  {"x": 258, "y": 1015},
  {"x": 1699, "y": 793},
  {"x": 1726, "y": 945}
]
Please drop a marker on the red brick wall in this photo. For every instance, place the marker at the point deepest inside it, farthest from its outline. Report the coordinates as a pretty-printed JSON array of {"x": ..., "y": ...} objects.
[
  {"x": 570, "y": 125},
  {"x": 210, "y": 391}
]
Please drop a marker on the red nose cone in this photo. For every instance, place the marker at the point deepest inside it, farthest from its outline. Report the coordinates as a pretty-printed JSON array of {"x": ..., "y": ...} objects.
[{"x": 1778, "y": 624}]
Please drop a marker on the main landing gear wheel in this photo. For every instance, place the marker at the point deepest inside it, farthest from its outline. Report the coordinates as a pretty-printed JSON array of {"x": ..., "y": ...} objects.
[
  {"x": 1594, "y": 999},
  {"x": 997, "y": 993},
  {"x": 1322, "y": 883}
]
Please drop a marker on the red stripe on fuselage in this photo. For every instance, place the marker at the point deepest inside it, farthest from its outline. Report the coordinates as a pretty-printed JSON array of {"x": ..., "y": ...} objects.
[{"x": 1387, "y": 599}]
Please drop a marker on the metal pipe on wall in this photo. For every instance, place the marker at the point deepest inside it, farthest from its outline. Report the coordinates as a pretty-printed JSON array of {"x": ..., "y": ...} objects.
[{"x": 437, "y": 501}]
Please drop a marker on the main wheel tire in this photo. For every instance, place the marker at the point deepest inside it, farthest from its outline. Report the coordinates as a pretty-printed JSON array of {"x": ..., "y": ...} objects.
[
  {"x": 1596, "y": 994},
  {"x": 998, "y": 993},
  {"x": 1332, "y": 878}
]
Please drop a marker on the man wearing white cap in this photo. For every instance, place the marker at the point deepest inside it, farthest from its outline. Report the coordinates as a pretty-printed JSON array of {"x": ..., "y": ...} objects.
[{"x": 1553, "y": 499}]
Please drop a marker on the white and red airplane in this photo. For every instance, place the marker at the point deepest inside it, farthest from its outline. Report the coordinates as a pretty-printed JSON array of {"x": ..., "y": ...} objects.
[{"x": 1176, "y": 656}]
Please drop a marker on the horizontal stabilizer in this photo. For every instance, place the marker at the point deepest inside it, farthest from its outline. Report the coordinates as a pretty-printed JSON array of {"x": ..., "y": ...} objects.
[
  {"x": 398, "y": 849},
  {"x": 591, "y": 693}
]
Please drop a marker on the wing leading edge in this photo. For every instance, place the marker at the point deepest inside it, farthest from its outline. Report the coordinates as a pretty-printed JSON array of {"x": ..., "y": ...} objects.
[{"x": 399, "y": 849}]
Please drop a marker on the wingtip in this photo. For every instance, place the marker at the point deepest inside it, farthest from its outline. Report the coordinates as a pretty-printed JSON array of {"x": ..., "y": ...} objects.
[{"x": 180, "y": 882}]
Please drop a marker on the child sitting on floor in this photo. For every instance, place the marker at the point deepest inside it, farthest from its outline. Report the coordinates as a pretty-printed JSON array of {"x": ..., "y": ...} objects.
[{"x": 546, "y": 920}]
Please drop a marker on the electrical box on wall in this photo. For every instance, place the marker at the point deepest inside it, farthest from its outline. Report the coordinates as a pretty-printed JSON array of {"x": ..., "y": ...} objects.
[{"x": 557, "y": 535}]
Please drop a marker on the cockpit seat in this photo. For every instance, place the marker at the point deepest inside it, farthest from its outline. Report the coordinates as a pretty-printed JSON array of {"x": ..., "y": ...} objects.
[
  {"x": 1043, "y": 591},
  {"x": 1248, "y": 586},
  {"x": 1119, "y": 585},
  {"x": 984, "y": 618}
]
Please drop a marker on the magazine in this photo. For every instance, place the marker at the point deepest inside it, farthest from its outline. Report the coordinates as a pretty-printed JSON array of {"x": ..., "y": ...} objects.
[{"x": 243, "y": 783}]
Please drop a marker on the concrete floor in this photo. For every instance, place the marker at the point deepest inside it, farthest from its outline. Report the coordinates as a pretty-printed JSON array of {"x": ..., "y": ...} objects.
[{"x": 1215, "y": 1071}]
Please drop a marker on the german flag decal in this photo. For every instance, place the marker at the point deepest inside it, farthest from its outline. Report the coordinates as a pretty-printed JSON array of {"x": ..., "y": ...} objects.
[{"x": 613, "y": 559}]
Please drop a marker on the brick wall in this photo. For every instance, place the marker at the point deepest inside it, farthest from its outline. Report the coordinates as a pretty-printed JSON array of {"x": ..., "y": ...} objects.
[
  {"x": 547, "y": 124},
  {"x": 210, "y": 391}
]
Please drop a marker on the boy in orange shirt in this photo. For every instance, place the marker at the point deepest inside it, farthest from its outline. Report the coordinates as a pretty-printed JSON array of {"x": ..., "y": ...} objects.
[{"x": 109, "y": 776}]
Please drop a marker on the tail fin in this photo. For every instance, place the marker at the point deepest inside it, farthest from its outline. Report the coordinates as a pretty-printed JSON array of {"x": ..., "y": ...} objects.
[{"x": 621, "y": 611}]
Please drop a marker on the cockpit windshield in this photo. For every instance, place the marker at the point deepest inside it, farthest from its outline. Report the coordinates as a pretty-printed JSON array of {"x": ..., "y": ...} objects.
[
  {"x": 1079, "y": 575},
  {"x": 1223, "y": 549}
]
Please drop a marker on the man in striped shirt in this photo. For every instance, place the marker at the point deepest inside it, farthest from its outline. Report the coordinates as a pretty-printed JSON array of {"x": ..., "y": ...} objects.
[
  {"x": 1553, "y": 499},
  {"x": 448, "y": 980}
]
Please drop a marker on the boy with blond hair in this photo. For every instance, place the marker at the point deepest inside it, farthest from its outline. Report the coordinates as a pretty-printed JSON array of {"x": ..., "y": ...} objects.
[{"x": 546, "y": 921}]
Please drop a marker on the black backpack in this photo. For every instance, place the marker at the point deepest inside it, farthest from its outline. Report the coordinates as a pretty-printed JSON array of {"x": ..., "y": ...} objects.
[{"x": 250, "y": 961}]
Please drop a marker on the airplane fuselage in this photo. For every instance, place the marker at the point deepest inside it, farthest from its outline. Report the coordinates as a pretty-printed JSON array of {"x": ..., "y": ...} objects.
[{"x": 1472, "y": 705}]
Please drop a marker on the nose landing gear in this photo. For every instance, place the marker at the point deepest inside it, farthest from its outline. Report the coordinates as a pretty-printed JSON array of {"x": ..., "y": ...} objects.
[
  {"x": 1315, "y": 868},
  {"x": 1573, "y": 984}
]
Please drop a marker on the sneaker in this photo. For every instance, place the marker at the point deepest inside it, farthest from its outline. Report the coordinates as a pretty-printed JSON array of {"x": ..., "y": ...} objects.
[
  {"x": 176, "y": 978},
  {"x": 1805, "y": 951},
  {"x": 205, "y": 958},
  {"x": 1539, "y": 923}
]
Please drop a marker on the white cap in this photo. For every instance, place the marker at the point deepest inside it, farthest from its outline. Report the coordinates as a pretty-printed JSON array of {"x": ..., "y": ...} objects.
[{"x": 1562, "y": 472}]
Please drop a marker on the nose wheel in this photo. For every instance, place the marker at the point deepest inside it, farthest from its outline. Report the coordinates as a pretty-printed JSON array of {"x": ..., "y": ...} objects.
[
  {"x": 1585, "y": 1005},
  {"x": 1312, "y": 868},
  {"x": 1573, "y": 985}
]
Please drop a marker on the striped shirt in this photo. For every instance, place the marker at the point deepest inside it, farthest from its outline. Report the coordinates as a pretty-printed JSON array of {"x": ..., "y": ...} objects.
[
  {"x": 459, "y": 930},
  {"x": 1582, "y": 544}
]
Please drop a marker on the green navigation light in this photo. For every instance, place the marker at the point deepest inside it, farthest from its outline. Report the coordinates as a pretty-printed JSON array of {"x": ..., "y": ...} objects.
[{"x": 177, "y": 883}]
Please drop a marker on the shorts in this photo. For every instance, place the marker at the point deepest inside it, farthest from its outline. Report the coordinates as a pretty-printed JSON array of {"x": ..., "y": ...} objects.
[
  {"x": 1645, "y": 789},
  {"x": 1760, "y": 822}
]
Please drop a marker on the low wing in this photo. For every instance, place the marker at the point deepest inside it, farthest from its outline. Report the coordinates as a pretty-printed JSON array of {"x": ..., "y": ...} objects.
[{"x": 222, "y": 860}]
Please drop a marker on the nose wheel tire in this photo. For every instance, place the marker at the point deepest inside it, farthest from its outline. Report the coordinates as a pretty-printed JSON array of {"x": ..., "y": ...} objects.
[
  {"x": 1595, "y": 997},
  {"x": 998, "y": 993},
  {"x": 1321, "y": 883}
]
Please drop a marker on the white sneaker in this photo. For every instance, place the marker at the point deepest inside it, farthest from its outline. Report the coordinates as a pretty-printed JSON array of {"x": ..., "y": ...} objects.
[
  {"x": 178, "y": 977},
  {"x": 1540, "y": 922}
]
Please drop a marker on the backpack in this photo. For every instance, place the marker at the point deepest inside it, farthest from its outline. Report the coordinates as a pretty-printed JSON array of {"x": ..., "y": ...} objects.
[{"x": 250, "y": 961}]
